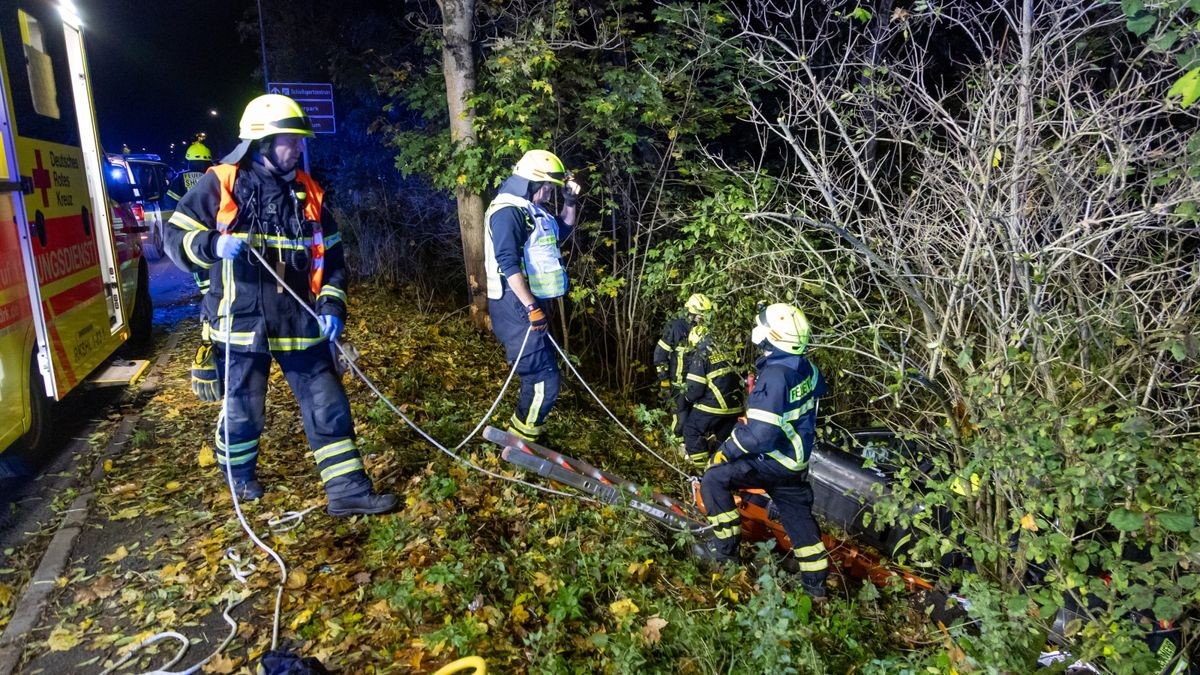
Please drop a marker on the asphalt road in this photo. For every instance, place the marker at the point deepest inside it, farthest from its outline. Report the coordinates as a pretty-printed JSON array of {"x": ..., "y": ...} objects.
[
  {"x": 175, "y": 295},
  {"x": 26, "y": 502}
]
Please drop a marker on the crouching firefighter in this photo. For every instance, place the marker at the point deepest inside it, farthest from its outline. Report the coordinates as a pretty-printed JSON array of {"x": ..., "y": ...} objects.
[
  {"x": 524, "y": 268},
  {"x": 716, "y": 393},
  {"x": 770, "y": 449},
  {"x": 257, "y": 197}
]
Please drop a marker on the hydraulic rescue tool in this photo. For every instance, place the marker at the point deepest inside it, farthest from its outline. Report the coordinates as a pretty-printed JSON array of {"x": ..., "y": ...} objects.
[
  {"x": 759, "y": 519},
  {"x": 606, "y": 487}
]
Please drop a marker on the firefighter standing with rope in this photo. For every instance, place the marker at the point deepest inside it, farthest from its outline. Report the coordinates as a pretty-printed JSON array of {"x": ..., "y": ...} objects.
[
  {"x": 257, "y": 197},
  {"x": 770, "y": 449},
  {"x": 524, "y": 267}
]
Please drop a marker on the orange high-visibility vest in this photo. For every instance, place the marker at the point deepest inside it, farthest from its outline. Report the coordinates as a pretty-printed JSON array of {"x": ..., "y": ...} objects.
[{"x": 313, "y": 196}]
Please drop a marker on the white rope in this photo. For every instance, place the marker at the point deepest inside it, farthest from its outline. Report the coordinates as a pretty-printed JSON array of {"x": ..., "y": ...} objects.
[
  {"x": 289, "y": 520},
  {"x": 293, "y": 519},
  {"x": 392, "y": 406},
  {"x": 239, "y": 572},
  {"x": 508, "y": 380},
  {"x": 183, "y": 647},
  {"x": 237, "y": 506},
  {"x": 613, "y": 415},
  {"x": 453, "y": 453},
  {"x": 480, "y": 469}
]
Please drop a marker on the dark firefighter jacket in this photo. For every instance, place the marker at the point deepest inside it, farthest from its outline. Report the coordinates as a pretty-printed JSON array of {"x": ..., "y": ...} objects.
[
  {"x": 670, "y": 353},
  {"x": 781, "y": 414},
  {"x": 713, "y": 384},
  {"x": 244, "y": 304},
  {"x": 183, "y": 182}
]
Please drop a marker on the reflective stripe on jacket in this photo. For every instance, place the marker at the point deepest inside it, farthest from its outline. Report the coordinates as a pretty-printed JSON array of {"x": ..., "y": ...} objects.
[
  {"x": 541, "y": 261},
  {"x": 671, "y": 352},
  {"x": 314, "y": 197},
  {"x": 713, "y": 383},
  {"x": 782, "y": 412}
]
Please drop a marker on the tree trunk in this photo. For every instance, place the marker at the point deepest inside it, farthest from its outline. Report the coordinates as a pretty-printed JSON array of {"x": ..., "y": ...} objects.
[{"x": 458, "y": 18}]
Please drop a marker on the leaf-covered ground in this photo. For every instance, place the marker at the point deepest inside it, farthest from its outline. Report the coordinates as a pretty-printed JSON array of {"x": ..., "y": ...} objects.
[{"x": 470, "y": 565}]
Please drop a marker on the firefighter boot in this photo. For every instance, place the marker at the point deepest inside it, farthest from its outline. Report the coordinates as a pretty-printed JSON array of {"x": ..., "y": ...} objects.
[
  {"x": 710, "y": 554},
  {"x": 367, "y": 503},
  {"x": 814, "y": 585},
  {"x": 248, "y": 490}
]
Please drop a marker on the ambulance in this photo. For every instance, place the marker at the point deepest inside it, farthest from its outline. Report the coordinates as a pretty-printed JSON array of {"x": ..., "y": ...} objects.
[{"x": 73, "y": 284}]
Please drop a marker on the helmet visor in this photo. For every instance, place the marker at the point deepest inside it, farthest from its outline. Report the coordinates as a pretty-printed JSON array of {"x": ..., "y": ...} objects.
[{"x": 300, "y": 124}]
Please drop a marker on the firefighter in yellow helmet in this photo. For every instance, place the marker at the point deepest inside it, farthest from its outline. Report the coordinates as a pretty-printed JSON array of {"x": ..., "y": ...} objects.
[
  {"x": 258, "y": 197},
  {"x": 524, "y": 269},
  {"x": 198, "y": 158},
  {"x": 206, "y": 381},
  {"x": 770, "y": 449},
  {"x": 671, "y": 362},
  {"x": 715, "y": 393}
]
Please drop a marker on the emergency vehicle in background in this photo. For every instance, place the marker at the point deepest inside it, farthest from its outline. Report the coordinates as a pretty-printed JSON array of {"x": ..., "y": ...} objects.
[{"x": 73, "y": 284}]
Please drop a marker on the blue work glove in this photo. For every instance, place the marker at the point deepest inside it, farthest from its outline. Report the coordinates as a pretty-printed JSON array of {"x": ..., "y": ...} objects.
[
  {"x": 331, "y": 326},
  {"x": 229, "y": 246}
]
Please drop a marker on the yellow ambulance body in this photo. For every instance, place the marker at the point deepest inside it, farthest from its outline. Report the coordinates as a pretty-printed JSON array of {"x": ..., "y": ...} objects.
[{"x": 70, "y": 260}]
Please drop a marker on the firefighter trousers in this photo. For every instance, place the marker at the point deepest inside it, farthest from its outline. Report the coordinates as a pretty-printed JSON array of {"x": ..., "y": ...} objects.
[
  {"x": 679, "y": 415},
  {"x": 698, "y": 426},
  {"x": 323, "y": 406},
  {"x": 538, "y": 367},
  {"x": 792, "y": 495}
]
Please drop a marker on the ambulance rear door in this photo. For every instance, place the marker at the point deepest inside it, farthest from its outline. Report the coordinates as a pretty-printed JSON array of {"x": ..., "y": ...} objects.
[
  {"x": 16, "y": 309},
  {"x": 64, "y": 221}
]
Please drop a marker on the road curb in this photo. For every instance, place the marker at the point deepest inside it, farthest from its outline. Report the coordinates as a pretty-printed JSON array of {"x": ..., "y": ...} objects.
[
  {"x": 150, "y": 384},
  {"x": 36, "y": 597},
  {"x": 54, "y": 561}
]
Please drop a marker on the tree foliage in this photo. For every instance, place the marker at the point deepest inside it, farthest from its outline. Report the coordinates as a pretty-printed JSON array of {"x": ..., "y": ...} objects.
[
  {"x": 626, "y": 95},
  {"x": 1013, "y": 267}
]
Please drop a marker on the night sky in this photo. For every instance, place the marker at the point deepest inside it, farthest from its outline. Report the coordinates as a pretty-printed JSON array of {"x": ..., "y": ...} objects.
[{"x": 159, "y": 67}]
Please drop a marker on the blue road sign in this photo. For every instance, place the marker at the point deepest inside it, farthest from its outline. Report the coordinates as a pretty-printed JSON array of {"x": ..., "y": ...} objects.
[{"x": 315, "y": 97}]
